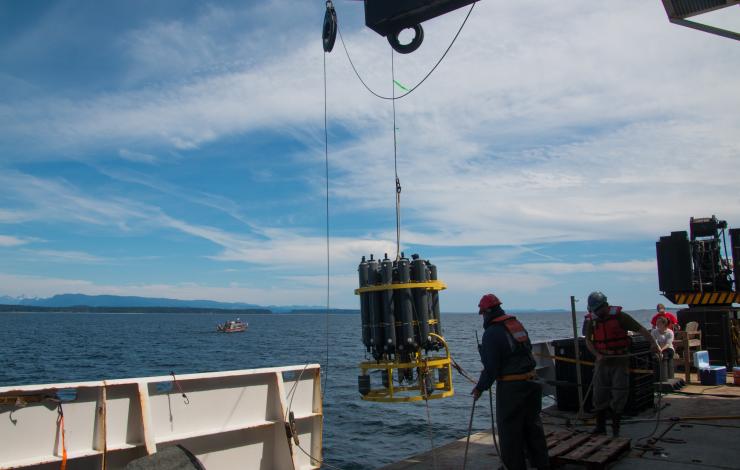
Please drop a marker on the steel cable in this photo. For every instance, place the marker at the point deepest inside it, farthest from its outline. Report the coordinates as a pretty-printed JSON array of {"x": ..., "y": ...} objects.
[
  {"x": 328, "y": 259},
  {"x": 430, "y": 428},
  {"x": 346, "y": 51},
  {"x": 395, "y": 163},
  {"x": 291, "y": 394}
]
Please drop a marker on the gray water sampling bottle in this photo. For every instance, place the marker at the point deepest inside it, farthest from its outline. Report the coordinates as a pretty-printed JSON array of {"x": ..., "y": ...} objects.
[
  {"x": 363, "y": 273},
  {"x": 386, "y": 301},
  {"x": 404, "y": 305},
  {"x": 421, "y": 299}
]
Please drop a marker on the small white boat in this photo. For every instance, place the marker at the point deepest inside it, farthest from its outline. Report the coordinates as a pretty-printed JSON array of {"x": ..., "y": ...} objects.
[{"x": 233, "y": 326}]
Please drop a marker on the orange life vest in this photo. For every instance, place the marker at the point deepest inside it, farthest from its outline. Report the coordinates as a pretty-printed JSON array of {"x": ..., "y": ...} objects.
[
  {"x": 513, "y": 326},
  {"x": 608, "y": 335},
  {"x": 520, "y": 364}
]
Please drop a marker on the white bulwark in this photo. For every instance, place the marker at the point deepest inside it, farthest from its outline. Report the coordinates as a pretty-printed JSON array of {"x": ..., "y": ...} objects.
[{"x": 229, "y": 420}]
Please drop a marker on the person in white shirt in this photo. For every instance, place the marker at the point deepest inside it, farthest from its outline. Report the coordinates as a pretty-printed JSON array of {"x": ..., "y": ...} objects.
[{"x": 664, "y": 337}]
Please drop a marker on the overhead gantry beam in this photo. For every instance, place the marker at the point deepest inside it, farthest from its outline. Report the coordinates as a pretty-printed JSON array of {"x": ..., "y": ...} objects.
[{"x": 679, "y": 10}]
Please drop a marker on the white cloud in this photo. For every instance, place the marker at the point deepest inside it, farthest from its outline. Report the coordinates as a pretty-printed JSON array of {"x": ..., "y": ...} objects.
[
  {"x": 8, "y": 241},
  {"x": 526, "y": 133},
  {"x": 282, "y": 248},
  {"x": 546, "y": 122},
  {"x": 12, "y": 216},
  {"x": 60, "y": 200},
  {"x": 634, "y": 267},
  {"x": 137, "y": 157},
  {"x": 37, "y": 286},
  {"x": 40, "y": 286},
  {"x": 61, "y": 256},
  {"x": 210, "y": 200}
]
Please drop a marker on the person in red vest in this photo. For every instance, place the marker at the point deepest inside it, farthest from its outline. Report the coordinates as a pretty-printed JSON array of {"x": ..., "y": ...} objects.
[
  {"x": 607, "y": 338},
  {"x": 506, "y": 353},
  {"x": 672, "y": 320}
]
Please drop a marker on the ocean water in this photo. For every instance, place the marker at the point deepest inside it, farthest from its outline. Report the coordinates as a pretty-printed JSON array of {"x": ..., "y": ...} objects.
[{"x": 63, "y": 347}]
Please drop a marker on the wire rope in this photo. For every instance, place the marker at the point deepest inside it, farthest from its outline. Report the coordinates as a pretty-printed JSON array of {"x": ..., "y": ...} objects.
[
  {"x": 395, "y": 162},
  {"x": 321, "y": 462},
  {"x": 291, "y": 393},
  {"x": 430, "y": 428},
  {"x": 328, "y": 258},
  {"x": 346, "y": 51}
]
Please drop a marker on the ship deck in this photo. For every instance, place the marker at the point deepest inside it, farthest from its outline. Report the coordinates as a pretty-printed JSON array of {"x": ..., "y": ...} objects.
[{"x": 699, "y": 428}]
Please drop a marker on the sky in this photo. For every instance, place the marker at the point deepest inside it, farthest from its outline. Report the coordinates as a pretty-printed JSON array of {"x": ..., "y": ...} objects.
[{"x": 177, "y": 149}]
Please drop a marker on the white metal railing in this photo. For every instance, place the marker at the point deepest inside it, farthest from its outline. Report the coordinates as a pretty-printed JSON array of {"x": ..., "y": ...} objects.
[{"x": 229, "y": 420}]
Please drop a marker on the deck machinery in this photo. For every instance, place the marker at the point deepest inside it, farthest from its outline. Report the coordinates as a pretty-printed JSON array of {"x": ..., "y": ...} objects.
[
  {"x": 401, "y": 330},
  {"x": 696, "y": 269}
]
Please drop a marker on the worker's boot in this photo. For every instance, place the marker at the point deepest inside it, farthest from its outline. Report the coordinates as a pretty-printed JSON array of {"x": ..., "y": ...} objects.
[
  {"x": 600, "y": 423},
  {"x": 616, "y": 418}
]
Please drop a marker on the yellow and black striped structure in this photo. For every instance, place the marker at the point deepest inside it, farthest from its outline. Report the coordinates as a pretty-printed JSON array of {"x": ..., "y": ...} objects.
[{"x": 703, "y": 298}]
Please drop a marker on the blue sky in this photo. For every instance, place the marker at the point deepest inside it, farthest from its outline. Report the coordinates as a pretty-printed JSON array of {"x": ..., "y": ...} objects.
[{"x": 176, "y": 149}]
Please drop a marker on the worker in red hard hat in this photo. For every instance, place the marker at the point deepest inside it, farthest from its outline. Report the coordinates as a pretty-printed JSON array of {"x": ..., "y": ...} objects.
[{"x": 506, "y": 353}]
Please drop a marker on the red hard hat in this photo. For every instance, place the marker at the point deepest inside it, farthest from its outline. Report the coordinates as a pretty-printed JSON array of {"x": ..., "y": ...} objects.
[{"x": 488, "y": 301}]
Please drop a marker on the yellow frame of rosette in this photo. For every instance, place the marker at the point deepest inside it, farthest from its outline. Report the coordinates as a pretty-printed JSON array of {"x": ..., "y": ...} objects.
[
  {"x": 390, "y": 394},
  {"x": 428, "y": 285}
]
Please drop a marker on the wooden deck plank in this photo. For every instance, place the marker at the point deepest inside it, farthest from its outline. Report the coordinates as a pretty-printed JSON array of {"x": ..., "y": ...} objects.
[
  {"x": 568, "y": 444},
  {"x": 610, "y": 451},
  {"x": 592, "y": 446},
  {"x": 556, "y": 437}
]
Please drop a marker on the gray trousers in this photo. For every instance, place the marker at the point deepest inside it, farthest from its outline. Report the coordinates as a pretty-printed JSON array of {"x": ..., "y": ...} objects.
[
  {"x": 520, "y": 431},
  {"x": 611, "y": 385}
]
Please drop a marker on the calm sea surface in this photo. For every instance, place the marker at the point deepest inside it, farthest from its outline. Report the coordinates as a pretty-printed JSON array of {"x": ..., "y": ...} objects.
[{"x": 63, "y": 347}]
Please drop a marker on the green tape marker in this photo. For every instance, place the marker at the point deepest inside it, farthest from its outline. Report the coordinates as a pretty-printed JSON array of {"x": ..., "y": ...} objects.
[{"x": 400, "y": 86}]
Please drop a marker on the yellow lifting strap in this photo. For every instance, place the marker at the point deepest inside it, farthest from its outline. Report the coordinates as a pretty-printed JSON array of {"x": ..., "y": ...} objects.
[
  {"x": 516, "y": 377},
  {"x": 587, "y": 363},
  {"x": 429, "y": 285}
]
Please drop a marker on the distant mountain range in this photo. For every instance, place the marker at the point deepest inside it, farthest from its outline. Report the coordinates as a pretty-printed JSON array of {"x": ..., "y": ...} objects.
[{"x": 73, "y": 300}]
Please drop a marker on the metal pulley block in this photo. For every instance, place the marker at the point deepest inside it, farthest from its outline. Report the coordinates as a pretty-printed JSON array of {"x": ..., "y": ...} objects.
[
  {"x": 390, "y": 17},
  {"x": 329, "y": 31}
]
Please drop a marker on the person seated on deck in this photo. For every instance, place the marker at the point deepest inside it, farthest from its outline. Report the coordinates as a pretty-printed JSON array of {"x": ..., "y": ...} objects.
[
  {"x": 662, "y": 313},
  {"x": 664, "y": 337}
]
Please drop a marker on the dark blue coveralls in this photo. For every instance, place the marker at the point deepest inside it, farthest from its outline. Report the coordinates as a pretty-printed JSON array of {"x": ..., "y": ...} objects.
[{"x": 518, "y": 403}]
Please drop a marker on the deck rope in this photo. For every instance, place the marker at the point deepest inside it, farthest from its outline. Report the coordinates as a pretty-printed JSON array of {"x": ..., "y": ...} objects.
[
  {"x": 60, "y": 426},
  {"x": 470, "y": 430}
]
